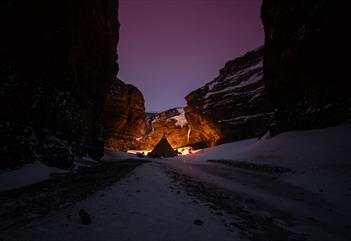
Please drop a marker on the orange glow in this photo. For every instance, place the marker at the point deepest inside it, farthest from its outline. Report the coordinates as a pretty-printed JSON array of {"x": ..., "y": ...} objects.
[{"x": 185, "y": 150}]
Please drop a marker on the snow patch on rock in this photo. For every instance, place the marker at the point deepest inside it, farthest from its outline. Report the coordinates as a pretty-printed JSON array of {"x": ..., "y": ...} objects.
[{"x": 180, "y": 118}]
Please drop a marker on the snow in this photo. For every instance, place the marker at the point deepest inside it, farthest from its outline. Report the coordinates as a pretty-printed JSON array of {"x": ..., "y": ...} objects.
[
  {"x": 37, "y": 172},
  {"x": 295, "y": 149},
  {"x": 254, "y": 97},
  {"x": 233, "y": 78},
  {"x": 147, "y": 205},
  {"x": 113, "y": 156},
  {"x": 238, "y": 74},
  {"x": 318, "y": 159},
  {"x": 253, "y": 79},
  {"x": 230, "y": 91},
  {"x": 26, "y": 175},
  {"x": 142, "y": 207},
  {"x": 246, "y": 117},
  {"x": 180, "y": 118}
]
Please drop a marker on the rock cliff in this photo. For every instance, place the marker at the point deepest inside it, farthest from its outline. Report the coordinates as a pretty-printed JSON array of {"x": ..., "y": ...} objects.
[
  {"x": 234, "y": 105},
  {"x": 124, "y": 116},
  {"x": 171, "y": 123},
  {"x": 58, "y": 59},
  {"x": 305, "y": 69}
]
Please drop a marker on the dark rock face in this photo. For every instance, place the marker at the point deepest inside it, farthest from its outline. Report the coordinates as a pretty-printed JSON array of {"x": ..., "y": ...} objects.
[
  {"x": 306, "y": 75},
  {"x": 58, "y": 59},
  {"x": 171, "y": 123},
  {"x": 124, "y": 116},
  {"x": 234, "y": 105}
]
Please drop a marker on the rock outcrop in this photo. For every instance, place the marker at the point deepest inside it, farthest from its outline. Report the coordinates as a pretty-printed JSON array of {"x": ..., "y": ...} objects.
[
  {"x": 234, "y": 105},
  {"x": 124, "y": 116},
  {"x": 58, "y": 59},
  {"x": 172, "y": 124},
  {"x": 306, "y": 73}
]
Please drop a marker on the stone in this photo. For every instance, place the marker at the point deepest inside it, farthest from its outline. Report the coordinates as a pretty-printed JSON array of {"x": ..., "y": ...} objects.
[
  {"x": 58, "y": 59},
  {"x": 305, "y": 70},
  {"x": 124, "y": 116},
  {"x": 84, "y": 217},
  {"x": 234, "y": 105},
  {"x": 198, "y": 222},
  {"x": 171, "y": 123}
]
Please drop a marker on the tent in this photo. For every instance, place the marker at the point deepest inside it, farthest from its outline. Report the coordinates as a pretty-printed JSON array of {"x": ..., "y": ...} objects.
[{"x": 164, "y": 149}]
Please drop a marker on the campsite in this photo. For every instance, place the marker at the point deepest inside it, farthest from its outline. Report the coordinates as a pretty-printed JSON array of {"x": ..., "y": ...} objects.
[{"x": 175, "y": 120}]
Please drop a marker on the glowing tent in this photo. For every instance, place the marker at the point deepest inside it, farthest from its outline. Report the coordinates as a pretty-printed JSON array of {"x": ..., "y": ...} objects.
[{"x": 163, "y": 149}]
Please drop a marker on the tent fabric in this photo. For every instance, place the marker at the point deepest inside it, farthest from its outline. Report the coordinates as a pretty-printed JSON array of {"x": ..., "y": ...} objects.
[{"x": 164, "y": 149}]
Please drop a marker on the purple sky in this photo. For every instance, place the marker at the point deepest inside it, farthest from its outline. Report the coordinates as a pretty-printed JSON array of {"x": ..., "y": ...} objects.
[{"x": 168, "y": 48}]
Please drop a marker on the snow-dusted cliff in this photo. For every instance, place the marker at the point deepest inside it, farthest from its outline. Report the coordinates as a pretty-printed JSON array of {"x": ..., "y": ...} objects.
[{"x": 234, "y": 105}]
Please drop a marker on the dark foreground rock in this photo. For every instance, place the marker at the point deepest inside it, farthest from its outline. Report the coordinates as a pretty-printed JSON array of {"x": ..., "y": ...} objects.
[
  {"x": 307, "y": 43},
  {"x": 58, "y": 59}
]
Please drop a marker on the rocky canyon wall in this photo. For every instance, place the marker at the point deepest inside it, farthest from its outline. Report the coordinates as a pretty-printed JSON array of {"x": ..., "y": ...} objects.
[
  {"x": 124, "y": 116},
  {"x": 171, "y": 123},
  {"x": 305, "y": 62},
  {"x": 234, "y": 105},
  {"x": 58, "y": 59}
]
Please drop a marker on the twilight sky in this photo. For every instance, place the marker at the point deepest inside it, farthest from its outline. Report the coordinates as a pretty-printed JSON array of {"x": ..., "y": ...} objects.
[{"x": 168, "y": 48}]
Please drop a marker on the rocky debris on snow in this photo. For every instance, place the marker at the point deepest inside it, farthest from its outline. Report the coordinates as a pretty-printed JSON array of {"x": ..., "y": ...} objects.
[
  {"x": 84, "y": 217},
  {"x": 198, "y": 222},
  {"x": 252, "y": 224},
  {"x": 43, "y": 198}
]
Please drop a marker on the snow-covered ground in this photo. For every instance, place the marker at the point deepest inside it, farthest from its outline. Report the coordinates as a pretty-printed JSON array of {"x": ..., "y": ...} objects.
[
  {"x": 113, "y": 156},
  {"x": 142, "y": 207},
  {"x": 319, "y": 160},
  {"x": 295, "y": 149},
  {"x": 26, "y": 175},
  {"x": 311, "y": 200},
  {"x": 37, "y": 172}
]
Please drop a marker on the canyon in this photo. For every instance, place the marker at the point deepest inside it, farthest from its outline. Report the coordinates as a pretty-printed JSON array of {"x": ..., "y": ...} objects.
[{"x": 60, "y": 98}]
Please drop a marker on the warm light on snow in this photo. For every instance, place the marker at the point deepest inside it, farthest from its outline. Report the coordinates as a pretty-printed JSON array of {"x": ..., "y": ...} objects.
[
  {"x": 139, "y": 151},
  {"x": 187, "y": 150}
]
